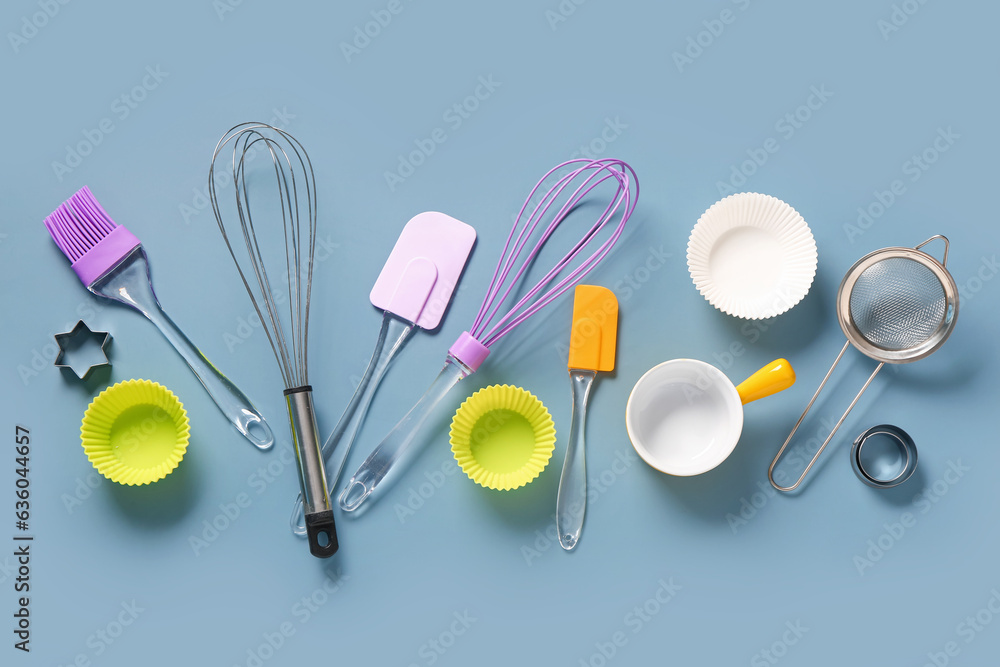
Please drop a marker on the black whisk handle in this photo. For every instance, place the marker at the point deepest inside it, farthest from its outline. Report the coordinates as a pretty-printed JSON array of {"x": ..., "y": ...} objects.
[{"x": 322, "y": 534}]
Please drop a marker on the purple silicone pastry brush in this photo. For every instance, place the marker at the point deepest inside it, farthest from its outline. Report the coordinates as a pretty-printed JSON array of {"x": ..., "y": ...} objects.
[
  {"x": 574, "y": 180},
  {"x": 110, "y": 262}
]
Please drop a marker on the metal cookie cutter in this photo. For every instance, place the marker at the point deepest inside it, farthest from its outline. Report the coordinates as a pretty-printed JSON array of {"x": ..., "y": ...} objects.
[
  {"x": 77, "y": 338},
  {"x": 884, "y": 456}
]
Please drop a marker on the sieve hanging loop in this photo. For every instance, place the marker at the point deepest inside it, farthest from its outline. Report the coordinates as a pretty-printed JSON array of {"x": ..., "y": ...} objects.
[{"x": 944, "y": 258}]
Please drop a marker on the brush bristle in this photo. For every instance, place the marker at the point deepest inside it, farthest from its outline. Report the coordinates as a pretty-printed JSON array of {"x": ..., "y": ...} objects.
[{"x": 79, "y": 224}]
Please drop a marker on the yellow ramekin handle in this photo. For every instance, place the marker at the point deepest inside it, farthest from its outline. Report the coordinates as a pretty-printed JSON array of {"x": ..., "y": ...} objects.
[{"x": 776, "y": 376}]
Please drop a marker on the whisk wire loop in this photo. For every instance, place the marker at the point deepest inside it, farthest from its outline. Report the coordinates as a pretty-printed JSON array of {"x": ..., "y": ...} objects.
[
  {"x": 293, "y": 176},
  {"x": 580, "y": 181}
]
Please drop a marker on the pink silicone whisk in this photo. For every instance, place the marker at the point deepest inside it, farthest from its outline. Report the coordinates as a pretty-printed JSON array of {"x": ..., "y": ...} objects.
[{"x": 579, "y": 178}]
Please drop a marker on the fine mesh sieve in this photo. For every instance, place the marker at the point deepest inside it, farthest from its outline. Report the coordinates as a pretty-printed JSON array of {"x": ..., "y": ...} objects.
[{"x": 895, "y": 305}]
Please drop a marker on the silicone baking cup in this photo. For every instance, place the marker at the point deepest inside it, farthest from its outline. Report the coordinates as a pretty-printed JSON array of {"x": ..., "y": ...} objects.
[
  {"x": 752, "y": 256},
  {"x": 502, "y": 437},
  {"x": 135, "y": 432}
]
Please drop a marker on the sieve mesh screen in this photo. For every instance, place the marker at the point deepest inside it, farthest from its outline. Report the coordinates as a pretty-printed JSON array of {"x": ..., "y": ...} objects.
[{"x": 897, "y": 304}]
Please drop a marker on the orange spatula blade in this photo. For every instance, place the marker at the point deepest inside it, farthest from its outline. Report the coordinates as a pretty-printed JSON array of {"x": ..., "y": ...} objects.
[{"x": 595, "y": 329}]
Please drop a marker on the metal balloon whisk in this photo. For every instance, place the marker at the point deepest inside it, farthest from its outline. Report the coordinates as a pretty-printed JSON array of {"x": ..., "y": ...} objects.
[{"x": 283, "y": 183}]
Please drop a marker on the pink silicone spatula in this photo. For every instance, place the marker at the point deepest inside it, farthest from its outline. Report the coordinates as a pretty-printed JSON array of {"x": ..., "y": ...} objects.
[{"x": 413, "y": 290}]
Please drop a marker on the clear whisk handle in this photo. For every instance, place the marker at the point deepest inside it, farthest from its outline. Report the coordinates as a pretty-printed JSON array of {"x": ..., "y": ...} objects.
[{"x": 401, "y": 439}]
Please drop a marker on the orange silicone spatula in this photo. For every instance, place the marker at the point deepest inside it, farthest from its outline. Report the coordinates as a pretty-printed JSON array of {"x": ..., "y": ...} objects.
[{"x": 591, "y": 350}]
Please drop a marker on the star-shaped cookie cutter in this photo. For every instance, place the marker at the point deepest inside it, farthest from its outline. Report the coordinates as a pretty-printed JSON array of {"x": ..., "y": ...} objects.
[{"x": 81, "y": 332}]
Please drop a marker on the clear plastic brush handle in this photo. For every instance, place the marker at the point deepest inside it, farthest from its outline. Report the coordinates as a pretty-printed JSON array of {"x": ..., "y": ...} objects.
[
  {"x": 393, "y": 335},
  {"x": 128, "y": 283},
  {"x": 402, "y": 438}
]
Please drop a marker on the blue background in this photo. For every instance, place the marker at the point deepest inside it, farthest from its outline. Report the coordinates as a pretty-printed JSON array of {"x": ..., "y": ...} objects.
[{"x": 400, "y": 579}]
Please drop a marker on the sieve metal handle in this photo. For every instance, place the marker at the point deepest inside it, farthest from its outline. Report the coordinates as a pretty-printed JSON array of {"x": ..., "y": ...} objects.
[
  {"x": 774, "y": 463},
  {"x": 947, "y": 245}
]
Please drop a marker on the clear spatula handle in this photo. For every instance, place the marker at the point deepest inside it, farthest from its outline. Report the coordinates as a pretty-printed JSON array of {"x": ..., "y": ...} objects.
[
  {"x": 402, "y": 438},
  {"x": 391, "y": 338},
  {"x": 571, "y": 501}
]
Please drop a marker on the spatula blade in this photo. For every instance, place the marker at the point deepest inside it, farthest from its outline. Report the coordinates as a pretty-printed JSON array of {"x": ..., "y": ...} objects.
[
  {"x": 423, "y": 269},
  {"x": 595, "y": 329}
]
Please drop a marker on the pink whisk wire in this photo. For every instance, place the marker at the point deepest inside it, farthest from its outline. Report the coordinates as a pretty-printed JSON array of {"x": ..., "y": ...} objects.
[{"x": 624, "y": 200}]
